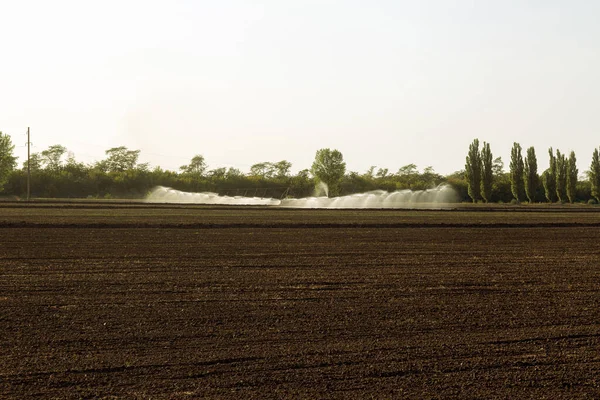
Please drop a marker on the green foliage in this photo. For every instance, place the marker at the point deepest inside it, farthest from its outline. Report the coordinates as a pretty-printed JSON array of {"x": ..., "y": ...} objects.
[
  {"x": 196, "y": 167},
  {"x": 234, "y": 173},
  {"x": 497, "y": 166},
  {"x": 354, "y": 182},
  {"x": 269, "y": 170},
  {"x": 517, "y": 186},
  {"x": 382, "y": 173},
  {"x": 549, "y": 178},
  {"x": 572, "y": 177},
  {"x": 594, "y": 175},
  {"x": 473, "y": 171},
  {"x": 370, "y": 174},
  {"x": 120, "y": 176},
  {"x": 7, "y": 159},
  {"x": 428, "y": 179},
  {"x": 51, "y": 158},
  {"x": 119, "y": 159},
  {"x": 530, "y": 175},
  {"x": 329, "y": 167},
  {"x": 487, "y": 177},
  {"x": 217, "y": 174},
  {"x": 561, "y": 176},
  {"x": 583, "y": 191},
  {"x": 263, "y": 170},
  {"x": 409, "y": 169},
  {"x": 282, "y": 169},
  {"x": 459, "y": 184},
  {"x": 501, "y": 182},
  {"x": 301, "y": 185},
  {"x": 406, "y": 178},
  {"x": 501, "y": 191},
  {"x": 35, "y": 162}
]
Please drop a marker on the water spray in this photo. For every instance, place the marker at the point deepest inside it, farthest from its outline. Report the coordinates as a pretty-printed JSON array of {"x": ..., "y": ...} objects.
[{"x": 438, "y": 197}]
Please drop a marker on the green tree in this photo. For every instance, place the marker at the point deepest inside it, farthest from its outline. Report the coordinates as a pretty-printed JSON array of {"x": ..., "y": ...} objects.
[
  {"x": 52, "y": 157},
  {"x": 8, "y": 161},
  {"x": 409, "y": 169},
  {"x": 473, "y": 171},
  {"x": 217, "y": 173},
  {"x": 458, "y": 182},
  {"x": 301, "y": 185},
  {"x": 382, "y": 173},
  {"x": 594, "y": 175},
  {"x": 407, "y": 176},
  {"x": 234, "y": 173},
  {"x": 516, "y": 172},
  {"x": 498, "y": 166},
  {"x": 329, "y": 167},
  {"x": 549, "y": 178},
  {"x": 561, "y": 176},
  {"x": 572, "y": 177},
  {"x": 530, "y": 175},
  {"x": 270, "y": 170},
  {"x": 428, "y": 179},
  {"x": 119, "y": 159},
  {"x": 196, "y": 167},
  {"x": 264, "y": 170},
  {"x": 487, "y": 176},
  {"x": 370, "y": 173},
  {"x": 35, "y": 160},
  {"x": 282, "y": 169}
]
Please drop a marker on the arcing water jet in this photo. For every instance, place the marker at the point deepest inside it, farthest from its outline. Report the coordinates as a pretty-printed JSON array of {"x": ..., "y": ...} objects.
[
  {"x": 161, "y": 194},
  {"x": 438, "y": 198}
]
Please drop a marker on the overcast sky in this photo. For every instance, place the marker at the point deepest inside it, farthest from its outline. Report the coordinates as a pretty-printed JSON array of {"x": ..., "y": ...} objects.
[{"x": 386, "y": 82}]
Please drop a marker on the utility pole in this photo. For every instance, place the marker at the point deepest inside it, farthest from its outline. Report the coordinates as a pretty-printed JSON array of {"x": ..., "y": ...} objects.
[{"x": 28, "y": 165}]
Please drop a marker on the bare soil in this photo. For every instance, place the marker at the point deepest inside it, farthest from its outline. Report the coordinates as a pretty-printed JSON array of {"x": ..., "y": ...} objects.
[{"x": 131, "y": 301}]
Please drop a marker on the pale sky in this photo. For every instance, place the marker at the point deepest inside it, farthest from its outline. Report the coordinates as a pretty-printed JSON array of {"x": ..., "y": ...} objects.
[{"x": 386, "y": 82}]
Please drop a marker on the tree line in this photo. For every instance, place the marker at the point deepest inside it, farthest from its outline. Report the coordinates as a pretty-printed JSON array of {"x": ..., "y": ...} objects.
[
  {"x": 56, "y": 173},
  {"x": 558, "y": 183}
]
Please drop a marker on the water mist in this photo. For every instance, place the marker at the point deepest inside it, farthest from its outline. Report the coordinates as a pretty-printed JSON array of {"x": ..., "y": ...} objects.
[{"x": 439, "y": 197}]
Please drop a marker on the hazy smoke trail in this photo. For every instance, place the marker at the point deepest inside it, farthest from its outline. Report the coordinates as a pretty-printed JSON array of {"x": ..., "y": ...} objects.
[{"x": 431, "y": 198}]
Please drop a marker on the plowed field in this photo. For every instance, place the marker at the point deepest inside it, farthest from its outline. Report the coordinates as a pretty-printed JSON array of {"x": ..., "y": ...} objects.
[{"x": 135, "y": 301}]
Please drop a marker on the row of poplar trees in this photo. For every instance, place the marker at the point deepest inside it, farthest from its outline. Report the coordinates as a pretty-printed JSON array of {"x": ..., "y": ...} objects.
[{"x": 559, "y": 180}]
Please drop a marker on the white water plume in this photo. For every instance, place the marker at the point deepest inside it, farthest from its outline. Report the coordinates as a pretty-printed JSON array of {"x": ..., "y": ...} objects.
[
  {"x": 321, "y": 189},
  {"x": 439, "y": 197},
  {"x": 161, "y": 194}
]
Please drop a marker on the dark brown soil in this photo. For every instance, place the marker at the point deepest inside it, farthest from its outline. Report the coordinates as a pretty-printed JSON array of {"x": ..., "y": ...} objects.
[{"x": 172, "y": 302}]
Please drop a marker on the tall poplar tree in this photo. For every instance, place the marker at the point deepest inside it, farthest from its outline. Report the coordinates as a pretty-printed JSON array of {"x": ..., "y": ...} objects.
[
  {"x": 561, "y": 176},
  {"x": 530, "y": 175},
  {"x": 487, "y": 176},
  {"x": 594, "y": 175},
  {"x": 473, "y": 171},
  {"x": 516, "y": 172},
  {"x": 549, "y": 178},
  {"x": 572, "y": 177}
]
